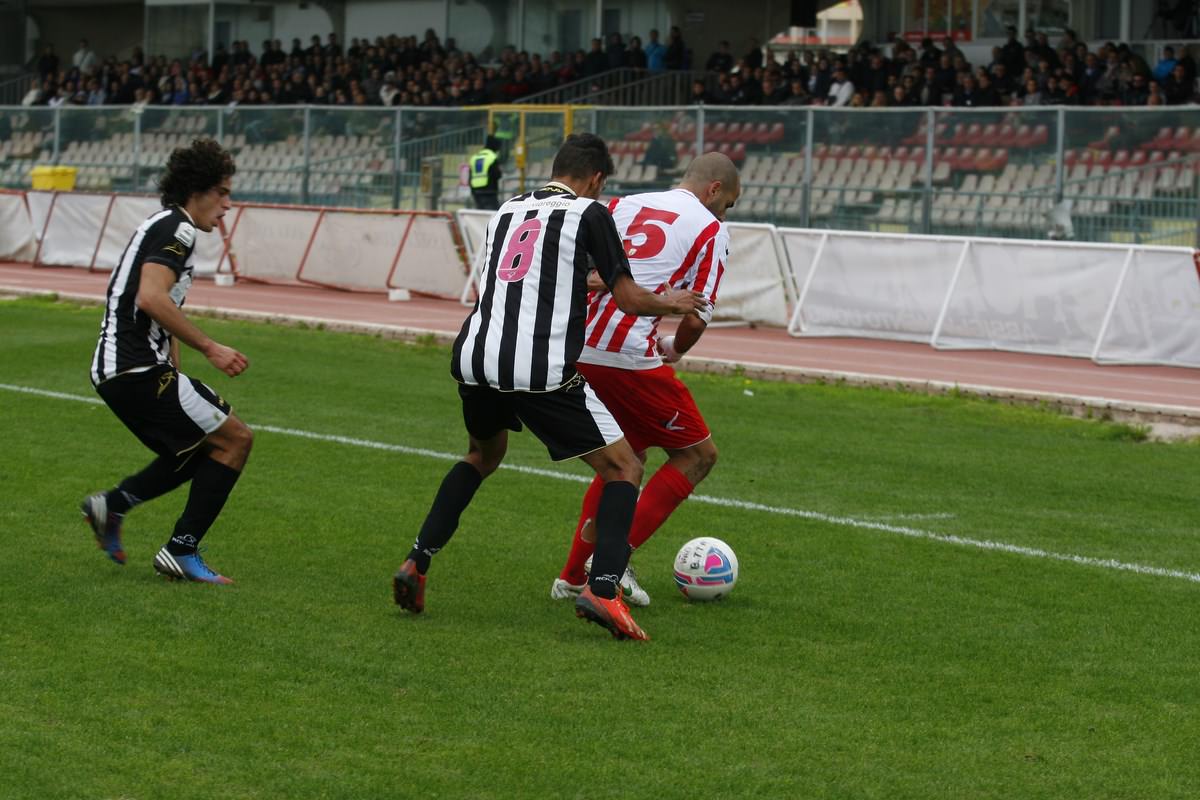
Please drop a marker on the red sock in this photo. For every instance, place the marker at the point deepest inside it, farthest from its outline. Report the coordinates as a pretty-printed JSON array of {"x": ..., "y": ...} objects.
[
  {"x": 662, "y": 495},
  {"x": 580, "y": 550}
]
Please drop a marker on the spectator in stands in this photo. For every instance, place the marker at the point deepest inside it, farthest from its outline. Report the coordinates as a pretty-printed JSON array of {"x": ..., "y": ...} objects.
[
  {"x": 797, "y": 94},
  {"x": 754, "y": 54},
  {"x": 33, "y": 97},
  {"x": 47, "y": 65},
  {"x": 84, "y": 59},
  {"x": 1089, "y": 81},
  {"x": 737, "y": 94},
  {"x": 820, "y": 79},
  {"x": 841, "y": 90},
  {"x": 1031, "y": 95},
  {"x": 595, "y": 62},
  {"x": 1053, "y": 94},
  {"x": 517, "y": 86},
  {"x": 660, "y": 151},
  {"x": 945, "y": 79},
  {"x": 1137, "y": 93},
  {"x": 635, "y": 56},
  {"x": 676, "y": 56},
  {"x": 930, "y": 55},
  {"x": 95, "y": 93},
  {"x": 772, "y": 94},
  {"x": 1002, "y": 81},
  {"x": 721, "y": 60},
  {"x": 1177, "y": 89},
  {"x": 333, "y": 48},
  {"x": 656, "y": 53},
  {"x": 967, "y": 94},
  {"x": 431, "y": 46},
  {"x": 615, "y": 53},
  {"x": 1165, "y": 65},
  {"x": 699, "y": 94}
]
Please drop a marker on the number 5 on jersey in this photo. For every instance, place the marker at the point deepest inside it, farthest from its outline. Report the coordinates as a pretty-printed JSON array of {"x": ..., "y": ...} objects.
[{"x": 645, "y": 224}]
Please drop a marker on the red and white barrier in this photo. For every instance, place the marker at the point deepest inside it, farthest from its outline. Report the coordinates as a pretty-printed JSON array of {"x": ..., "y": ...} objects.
[
  {"x": 1110, "y": 303},
  {"x": 336, "y": 247}
]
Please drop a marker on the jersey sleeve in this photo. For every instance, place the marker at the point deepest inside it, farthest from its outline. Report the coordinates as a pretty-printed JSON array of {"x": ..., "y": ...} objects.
[
  {"x": 169, "y": 242},
  {"x": 603, "y": 244},
  {"x": 710, "y": 266}
]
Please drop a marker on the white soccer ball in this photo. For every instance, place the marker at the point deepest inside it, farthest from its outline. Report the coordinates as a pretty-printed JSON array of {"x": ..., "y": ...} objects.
[{"x": 706, "y": 569}]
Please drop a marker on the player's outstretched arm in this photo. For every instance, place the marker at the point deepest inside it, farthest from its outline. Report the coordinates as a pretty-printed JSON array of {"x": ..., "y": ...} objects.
[
  {"x": 673, "y": 348},
  {"x": 633, "y": 299},
  {"x": 154, "y": 297}
]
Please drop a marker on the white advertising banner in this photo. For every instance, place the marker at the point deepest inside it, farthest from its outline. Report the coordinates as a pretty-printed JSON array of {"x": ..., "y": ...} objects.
[
  {"x": 1156, "y": 312},
  {"x": 17, "y": 242},
  {"x": 74, "y": 228},
  {"x": 756, "y": 286},
  {"x": 1033, "y": 297},
  {"x": 881, "y": 286}
]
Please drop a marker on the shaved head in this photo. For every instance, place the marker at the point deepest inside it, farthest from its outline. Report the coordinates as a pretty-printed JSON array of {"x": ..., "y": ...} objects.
[
  {"x": 714, "y": 180},
  {"x": 710, "y": 167}
]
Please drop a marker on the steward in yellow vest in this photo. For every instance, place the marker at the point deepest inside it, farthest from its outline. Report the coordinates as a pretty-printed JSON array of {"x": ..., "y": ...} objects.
[{"x": 485, "y": 175}]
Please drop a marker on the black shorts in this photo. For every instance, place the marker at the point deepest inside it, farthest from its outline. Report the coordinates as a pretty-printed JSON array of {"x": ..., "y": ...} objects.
[
  {"x": 571, "y": 421},
  {"x": 168, "y": 411}
]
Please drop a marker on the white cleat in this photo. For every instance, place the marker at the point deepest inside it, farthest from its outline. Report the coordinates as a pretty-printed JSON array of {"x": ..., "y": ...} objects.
[
  {"x": 561, "y": 590},
  {"x": 631, "y": 590}
]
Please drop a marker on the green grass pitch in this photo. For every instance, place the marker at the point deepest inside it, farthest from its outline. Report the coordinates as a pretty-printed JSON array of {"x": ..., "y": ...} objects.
[{"x": 851, "y": 661}]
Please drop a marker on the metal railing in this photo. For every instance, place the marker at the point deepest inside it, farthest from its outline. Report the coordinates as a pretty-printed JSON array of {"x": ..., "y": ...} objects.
[
  {"x": 1095, "y": 174},
  {"x": 13, "y": 90},
  {"x": 625, "y": 87}
]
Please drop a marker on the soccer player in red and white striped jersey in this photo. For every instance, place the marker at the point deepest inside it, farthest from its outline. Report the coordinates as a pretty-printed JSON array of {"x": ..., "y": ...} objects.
[{"x": 673, "y": 239}]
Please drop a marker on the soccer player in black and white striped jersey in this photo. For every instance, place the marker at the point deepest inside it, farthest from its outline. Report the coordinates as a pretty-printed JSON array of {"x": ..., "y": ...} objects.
[
  {"x": 515, "y": 359},
  {"x": 135, "y": 369}
]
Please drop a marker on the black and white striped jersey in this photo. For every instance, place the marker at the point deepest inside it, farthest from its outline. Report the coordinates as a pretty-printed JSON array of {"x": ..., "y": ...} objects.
[
  {"x": 527, "y": 328},
  {"x": 129, "y": 338}
]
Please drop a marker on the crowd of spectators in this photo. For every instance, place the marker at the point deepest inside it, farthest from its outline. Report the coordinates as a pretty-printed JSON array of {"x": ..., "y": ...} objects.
[
  {"x": 1028, "y": 73},
  {"x": 391, "y": 70},
  {"x": 405, "y": 70}
]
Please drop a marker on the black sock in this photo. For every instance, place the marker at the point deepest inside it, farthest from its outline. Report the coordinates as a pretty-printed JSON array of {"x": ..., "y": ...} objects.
[
  {"x": 211, "y": 486},
  {"x": 613, "y": 519},
  {"x": 455, "y": 493},
  {"x": 159, "y": 477}
]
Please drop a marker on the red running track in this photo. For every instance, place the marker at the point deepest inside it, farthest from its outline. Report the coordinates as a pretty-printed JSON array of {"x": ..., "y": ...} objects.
[{"x": 1169, "y": 394}]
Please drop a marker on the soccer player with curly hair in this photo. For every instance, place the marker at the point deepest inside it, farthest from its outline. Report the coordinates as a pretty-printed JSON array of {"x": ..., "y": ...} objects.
[{"x": 135, "y": 370}]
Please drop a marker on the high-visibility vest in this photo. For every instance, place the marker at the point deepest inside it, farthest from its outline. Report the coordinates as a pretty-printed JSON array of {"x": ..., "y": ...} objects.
[{"x": 481, "y": 162}]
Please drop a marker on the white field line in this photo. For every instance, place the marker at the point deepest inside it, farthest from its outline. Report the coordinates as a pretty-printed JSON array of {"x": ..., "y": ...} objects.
[{"x": 816, "y": 516}]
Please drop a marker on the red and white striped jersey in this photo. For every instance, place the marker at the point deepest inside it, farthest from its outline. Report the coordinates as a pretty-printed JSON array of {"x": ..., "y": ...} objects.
[{"x": 672, "y": 240}]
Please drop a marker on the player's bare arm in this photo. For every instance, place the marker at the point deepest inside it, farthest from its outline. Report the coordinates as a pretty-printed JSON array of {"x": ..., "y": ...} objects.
[
  {"x": 672, "y": 348},
  {"x": 154, "y": 298},
  {"x": 633, "y": 299}
]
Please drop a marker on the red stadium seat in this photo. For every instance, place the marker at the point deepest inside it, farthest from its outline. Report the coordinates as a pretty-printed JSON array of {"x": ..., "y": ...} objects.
[{"x": 1161, "y": 140}]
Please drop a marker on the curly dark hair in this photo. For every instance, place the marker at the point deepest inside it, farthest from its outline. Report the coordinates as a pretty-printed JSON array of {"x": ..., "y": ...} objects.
[{"x": 194, "y": 170}]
